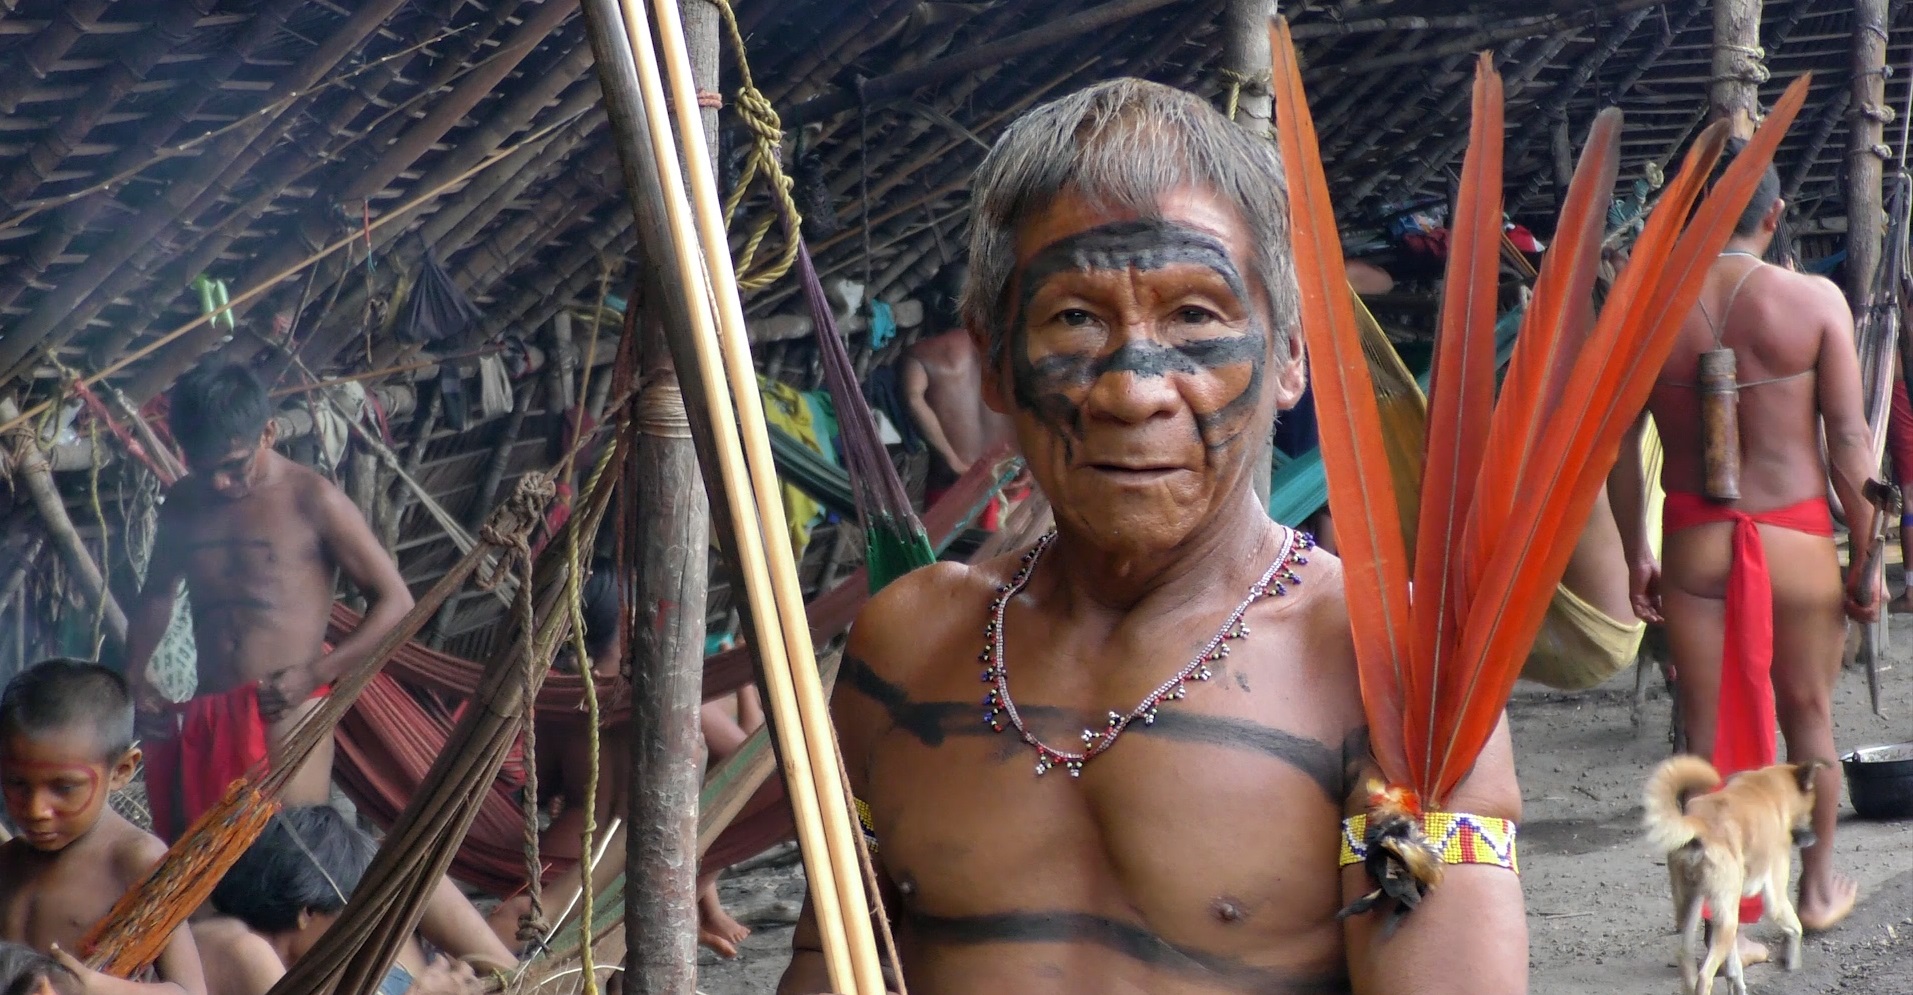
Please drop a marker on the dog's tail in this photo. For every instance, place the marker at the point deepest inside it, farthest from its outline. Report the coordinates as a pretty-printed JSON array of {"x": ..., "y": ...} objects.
[{"x": 1673, "y": 783}]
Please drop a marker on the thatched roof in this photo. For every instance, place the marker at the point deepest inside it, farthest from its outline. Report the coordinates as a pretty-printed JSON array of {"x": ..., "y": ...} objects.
[{"x": 145, "y": 144}]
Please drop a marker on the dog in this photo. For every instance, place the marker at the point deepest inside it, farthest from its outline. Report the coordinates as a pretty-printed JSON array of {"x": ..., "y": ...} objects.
[{"x": 1726, "y": 845}]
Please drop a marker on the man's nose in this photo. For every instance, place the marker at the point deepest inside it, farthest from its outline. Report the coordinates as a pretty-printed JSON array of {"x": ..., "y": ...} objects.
[{"x": 1134, "y": 387}]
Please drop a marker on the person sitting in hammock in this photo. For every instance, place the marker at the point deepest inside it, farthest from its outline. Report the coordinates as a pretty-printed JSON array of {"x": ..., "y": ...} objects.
[
  {"x": 564, "y": 755},
  {"x": 257, "y": 538},
  {"x": 66, "y": 744},
  {"x": 1132, "y": 287},
  {"x": 285, "y": 891}
]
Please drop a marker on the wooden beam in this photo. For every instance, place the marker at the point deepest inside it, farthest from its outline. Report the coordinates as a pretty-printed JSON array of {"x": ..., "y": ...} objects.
[
  {"x": 897, "y": 86},
  {"x": 1549, "y": 25},
  {"x": 1245, "y": 62},
  {"x": 1739, "y": 65},
  {"x": 1866, "y": 149},
  {"x": 1552, "y": 115}
]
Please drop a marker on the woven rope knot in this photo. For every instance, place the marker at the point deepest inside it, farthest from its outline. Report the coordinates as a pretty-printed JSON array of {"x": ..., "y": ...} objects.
[
  {"x": 510, "y": 528},
  {"x": 661, "y": 409},
  {"x": 707, "y": 98}
]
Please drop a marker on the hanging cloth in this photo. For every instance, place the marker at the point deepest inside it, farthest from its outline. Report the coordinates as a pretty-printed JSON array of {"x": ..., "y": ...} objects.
[{"x": 437, "y": 309}]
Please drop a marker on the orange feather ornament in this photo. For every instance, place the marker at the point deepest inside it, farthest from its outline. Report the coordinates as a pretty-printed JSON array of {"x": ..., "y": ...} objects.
[{"x": 1508, "y": 481}]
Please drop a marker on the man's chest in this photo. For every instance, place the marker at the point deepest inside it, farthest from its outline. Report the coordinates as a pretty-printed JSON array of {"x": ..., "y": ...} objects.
[
  {"x": 247, "y": 545},
  {"x": 58, "y": 904}
]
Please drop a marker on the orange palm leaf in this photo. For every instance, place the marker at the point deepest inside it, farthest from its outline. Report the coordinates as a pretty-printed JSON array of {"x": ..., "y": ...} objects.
[
  {"x": 1360, "y": 485},
  {"x": 1461, "y": 404}
]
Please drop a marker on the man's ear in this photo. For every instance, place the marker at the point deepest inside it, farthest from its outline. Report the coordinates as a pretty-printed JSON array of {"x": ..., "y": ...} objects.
[
  {"x": 1771, "y": 222},
  {"x": 124, "y": 768},
  {"x": 1288, "y": 372},
  {"x": 270, "y": 437},
  {"x": 987, "y": 357},
  {"x": 304, "y": 921}
]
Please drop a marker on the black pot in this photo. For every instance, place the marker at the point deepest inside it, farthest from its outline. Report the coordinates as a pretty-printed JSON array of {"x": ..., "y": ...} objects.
[{"x": 1880, "y": 781}]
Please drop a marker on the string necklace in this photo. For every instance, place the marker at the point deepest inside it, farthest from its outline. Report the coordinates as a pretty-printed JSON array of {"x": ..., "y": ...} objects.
[
  {"x": 998, "y": 705},
  {"x": 1739, "y": 252}
]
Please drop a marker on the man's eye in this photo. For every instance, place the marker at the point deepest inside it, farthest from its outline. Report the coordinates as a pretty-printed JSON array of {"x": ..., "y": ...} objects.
[
  {"x": 1075, "y": 317},
  {"x": 1195, "y": 316}
]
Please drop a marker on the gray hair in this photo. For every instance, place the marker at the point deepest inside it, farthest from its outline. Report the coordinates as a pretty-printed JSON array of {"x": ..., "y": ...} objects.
[{"x": 1123, "y": 144}]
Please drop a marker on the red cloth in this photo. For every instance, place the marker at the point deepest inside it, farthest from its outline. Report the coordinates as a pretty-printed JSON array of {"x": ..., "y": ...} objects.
[
  {"x": 1899, "y": 432},
  {"x": 218, "y": 739},
  {"x": 1744, "y": 720},
  {"x": 990, "y": 519}
]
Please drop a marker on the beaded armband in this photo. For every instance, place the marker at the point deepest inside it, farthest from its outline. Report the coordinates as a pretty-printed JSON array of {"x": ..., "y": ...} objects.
[
  {"x": 863, "y": 823},
  {"x": 1459, "y": 838}
]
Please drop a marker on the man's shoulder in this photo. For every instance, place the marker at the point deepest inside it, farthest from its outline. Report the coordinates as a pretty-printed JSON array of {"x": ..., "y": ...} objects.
[
  {"x": 917, "y": 610},
  {"x": 1805, "y": 288},
  {"x": 133, "y": 851}
]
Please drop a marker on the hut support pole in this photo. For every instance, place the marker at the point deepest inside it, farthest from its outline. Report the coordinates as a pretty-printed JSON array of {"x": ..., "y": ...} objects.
[
  {"x": 1739, "y": 64},
  {"x": 1866, "y": 151},
  {"x": 1245, "y": 72},
  {"x": 31, "y": 468}
]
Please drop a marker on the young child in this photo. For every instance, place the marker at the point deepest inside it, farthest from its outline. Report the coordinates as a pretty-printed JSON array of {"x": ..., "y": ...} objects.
[
  {"x": 284, "y": 893},
  {"x": 66, "y": 742},
  {"x": 26, "y": 971}
]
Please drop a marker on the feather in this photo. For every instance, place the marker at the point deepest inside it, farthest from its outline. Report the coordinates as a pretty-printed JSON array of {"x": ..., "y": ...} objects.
[
  {"x": 1361, "y": 486},
  {"x": 1609, "y": 383},
  {"x": 1461, "y": 404},
  {"x": 1557, "y": 322}
]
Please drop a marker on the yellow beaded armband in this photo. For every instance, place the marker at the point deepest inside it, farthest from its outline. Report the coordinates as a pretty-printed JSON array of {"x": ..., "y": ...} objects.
[
  {"x": 863, "y": 822},
  {"x": 1459, "y": 838}
]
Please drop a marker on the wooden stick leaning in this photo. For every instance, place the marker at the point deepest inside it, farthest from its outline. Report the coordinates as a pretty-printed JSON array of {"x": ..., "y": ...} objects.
[
  {"x": 821, "y": 867},
  {"x": 820, "y": 736}
]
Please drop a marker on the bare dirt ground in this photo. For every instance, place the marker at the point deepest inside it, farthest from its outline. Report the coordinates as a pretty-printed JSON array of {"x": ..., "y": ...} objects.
[{"x": 1599, "y": 918}]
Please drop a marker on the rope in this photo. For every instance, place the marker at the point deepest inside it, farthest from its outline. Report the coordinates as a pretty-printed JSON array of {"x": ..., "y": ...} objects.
[
  {"x": 767, "y": 135},
  {"x": 661, "y": 409},
  {"x": 106, "y": 537},
  {"x": 574, "y": 598},
  {"x": 1239, "y": 82}
]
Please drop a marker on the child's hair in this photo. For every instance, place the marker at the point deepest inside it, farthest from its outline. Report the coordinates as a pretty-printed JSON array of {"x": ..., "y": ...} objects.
[
  {"x": 216, "y": 406},
  {"x": 22, "y": 969},
  {"x": 308, "y": 859},
  {"x": 60, "y": 694}
]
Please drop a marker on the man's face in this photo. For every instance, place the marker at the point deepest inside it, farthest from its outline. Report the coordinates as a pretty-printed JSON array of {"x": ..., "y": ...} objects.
[
  {"x": 233, "y": 471},
  {"x": 56, "y": 784},
  {"x": 1138, "y": 365}
]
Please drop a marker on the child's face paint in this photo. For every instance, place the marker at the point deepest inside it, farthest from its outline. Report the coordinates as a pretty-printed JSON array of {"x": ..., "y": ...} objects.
[
  {"x": 1136, "y": 362},
  {"x": 55, "y": 786}
]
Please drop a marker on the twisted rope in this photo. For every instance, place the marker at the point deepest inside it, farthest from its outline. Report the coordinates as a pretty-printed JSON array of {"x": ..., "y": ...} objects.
[{"x": 767, "y": 136}]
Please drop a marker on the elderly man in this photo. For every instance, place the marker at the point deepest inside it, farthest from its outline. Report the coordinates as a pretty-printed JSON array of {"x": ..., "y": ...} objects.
[{"x": 1132, "y": 291}]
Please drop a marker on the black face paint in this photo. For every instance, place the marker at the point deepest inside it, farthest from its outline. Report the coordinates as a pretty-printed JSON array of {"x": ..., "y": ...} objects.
[{"x": 1041, "y": 386}]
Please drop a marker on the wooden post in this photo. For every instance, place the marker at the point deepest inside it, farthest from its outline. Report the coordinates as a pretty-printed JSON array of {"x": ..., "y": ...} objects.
[
  {"x": 1739, "y": 64},
  {"x": 30, "y": 467},
  {"x": 1866, "y": 151},
  {"x": 1246, "y": 64}
]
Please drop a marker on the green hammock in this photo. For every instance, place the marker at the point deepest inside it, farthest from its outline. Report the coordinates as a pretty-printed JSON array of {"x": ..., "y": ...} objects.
[{"x": 1298, "y": 488}]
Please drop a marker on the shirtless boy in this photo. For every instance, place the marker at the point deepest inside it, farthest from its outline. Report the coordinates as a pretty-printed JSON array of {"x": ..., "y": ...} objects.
[
  {"x": 942, "y": 375},
  {"x": 1798, "y": 370},
  {"x": 66, "y": 743},
  {"x": 257, "y": 539},
  {"x": 1131, "y": 287},
  {"x": 287, "y": 889}
]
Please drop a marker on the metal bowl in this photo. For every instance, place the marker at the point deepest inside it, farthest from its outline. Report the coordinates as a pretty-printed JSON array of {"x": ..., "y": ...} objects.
[{"x": 1880, "y": 781}]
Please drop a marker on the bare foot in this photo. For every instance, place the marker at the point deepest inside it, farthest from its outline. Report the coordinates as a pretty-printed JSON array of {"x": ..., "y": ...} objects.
[
  {"x": 715, "y": 926},
  {"x": 1751, "y": 952},
  {"x": 1822, "y": 907}
]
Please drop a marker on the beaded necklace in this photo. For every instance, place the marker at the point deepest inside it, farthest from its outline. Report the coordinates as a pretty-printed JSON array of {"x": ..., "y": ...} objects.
[{"x": 998, "y": 704}]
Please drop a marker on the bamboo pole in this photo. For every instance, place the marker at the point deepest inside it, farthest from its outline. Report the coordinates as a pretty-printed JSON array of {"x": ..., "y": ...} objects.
[
  {"x": 31, "y": 469},
  {"x": 637, "y": 117},
  {"x": 1866, "y": 150},
  {"x": 814, "y": 712}
]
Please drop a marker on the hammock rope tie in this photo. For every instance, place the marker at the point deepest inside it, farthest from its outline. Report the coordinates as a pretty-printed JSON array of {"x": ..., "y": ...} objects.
[{"x": 767, "y": 137}]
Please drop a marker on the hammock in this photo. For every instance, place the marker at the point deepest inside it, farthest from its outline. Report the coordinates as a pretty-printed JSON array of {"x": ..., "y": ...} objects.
[{"x": 387, "y": 744}]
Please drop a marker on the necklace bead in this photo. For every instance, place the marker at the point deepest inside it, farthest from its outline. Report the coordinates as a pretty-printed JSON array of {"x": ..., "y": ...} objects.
[{"x": 999, "y": 705}]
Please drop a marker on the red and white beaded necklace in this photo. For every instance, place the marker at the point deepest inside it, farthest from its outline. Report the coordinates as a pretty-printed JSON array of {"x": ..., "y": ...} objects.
[{"x": 998, "y": 704}]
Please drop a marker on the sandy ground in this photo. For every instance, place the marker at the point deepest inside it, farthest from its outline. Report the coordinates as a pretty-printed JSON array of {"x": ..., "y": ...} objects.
[{"x": 1600, "y": 921}]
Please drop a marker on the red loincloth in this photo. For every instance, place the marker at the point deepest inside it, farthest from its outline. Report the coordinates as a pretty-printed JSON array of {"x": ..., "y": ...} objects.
[
  {"x": 1899, "y": 432},
  {"x": 1744, "y": 719},
  {"x": 218, "y": 739}
]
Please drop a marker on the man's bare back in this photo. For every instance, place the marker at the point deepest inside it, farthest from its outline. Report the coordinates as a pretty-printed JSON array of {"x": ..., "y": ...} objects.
[{"x": 943, "y": 377}]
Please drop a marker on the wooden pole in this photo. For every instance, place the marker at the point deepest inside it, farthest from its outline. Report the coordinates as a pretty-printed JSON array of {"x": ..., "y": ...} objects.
[
  {"x": 667, "y": 665},
  {"x": 1866, "y": 150},
  {"x": 30, "y": 468},
  {"x": 1245, "y": 81},
  {"x": 1739, "y": 65}
]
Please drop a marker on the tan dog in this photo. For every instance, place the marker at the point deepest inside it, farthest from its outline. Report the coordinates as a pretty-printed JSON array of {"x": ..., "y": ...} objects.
[{"x": 1726, "y": 845}]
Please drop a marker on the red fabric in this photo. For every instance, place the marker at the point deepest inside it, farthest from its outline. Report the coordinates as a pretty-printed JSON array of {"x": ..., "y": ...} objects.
[
  {"x": 218, "y": 739},
  {"x": 1899, "y": 432},
  {"x": 1744, "y": 720}
]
